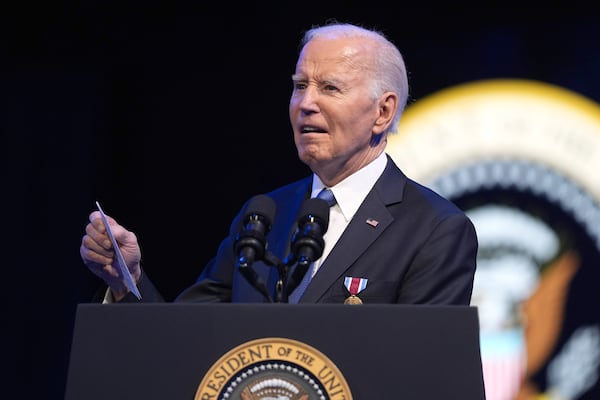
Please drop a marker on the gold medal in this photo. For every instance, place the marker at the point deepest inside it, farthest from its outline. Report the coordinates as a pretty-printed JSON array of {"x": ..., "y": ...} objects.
[
  {"x": 353, "y": 300},
  {"x": 354, "y": 287}
]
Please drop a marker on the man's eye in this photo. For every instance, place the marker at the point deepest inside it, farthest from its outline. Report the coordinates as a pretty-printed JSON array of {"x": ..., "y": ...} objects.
[
  {"x": 330, "y": 88},
  {"x": 299, "y": 85}
]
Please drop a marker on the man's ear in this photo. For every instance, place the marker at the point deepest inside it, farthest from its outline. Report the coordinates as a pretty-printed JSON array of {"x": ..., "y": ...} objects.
[{"x": 388, "y": 104}]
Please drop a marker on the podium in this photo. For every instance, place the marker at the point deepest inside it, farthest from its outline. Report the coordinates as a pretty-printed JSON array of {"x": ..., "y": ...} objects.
[{"x": 191, "y": 351}]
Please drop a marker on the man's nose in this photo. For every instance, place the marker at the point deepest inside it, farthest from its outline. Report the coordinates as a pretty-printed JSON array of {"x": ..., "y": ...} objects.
[{"x": 309, "y": 100}]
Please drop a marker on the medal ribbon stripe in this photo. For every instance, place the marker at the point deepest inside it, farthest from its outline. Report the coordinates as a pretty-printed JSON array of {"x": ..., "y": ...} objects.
[{"x": 355, "y": 285}]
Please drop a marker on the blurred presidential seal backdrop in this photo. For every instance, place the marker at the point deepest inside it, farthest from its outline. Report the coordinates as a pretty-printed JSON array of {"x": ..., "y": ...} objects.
[{"x": 521, "y": 158}]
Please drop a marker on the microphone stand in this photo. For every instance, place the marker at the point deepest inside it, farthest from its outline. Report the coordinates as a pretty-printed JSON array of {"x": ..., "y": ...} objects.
[
  {"x": 273, "y": 261},
  {"x": 255, "y": 280},
  {"x": 281, "y": 287}
]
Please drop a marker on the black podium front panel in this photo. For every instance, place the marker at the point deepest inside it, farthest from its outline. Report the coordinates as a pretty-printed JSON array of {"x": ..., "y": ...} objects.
[{"x": 384, "y": 352}]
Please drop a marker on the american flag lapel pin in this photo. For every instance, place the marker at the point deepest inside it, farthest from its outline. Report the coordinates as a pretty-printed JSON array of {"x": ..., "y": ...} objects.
[{"x": 372, "y": 222}]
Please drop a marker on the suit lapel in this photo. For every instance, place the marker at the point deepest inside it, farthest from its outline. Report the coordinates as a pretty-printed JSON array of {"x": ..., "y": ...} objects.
[{"x": 369, "y": 222}]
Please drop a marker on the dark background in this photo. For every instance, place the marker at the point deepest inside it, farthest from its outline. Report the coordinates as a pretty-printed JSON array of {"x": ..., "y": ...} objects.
[{"x": 173, "y": 113}]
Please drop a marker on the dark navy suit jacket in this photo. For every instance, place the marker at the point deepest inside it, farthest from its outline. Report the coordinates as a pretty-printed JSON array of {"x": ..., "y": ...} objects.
[{"x": 422, "y": 250}]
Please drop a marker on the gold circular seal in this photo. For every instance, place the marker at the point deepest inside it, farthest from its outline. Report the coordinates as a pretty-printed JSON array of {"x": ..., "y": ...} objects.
[{"x": 273, "y": 368}]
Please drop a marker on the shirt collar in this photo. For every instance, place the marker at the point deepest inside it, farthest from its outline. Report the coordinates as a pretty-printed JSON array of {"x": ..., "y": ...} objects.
[{"x": 351, "y": 192}]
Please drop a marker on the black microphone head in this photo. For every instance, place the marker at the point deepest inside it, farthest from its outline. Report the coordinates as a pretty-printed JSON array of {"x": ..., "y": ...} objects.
[
  {"x": 250, "y": 242},
  {"x": 263, "y": 206},
  {"x": 307, "y": 242},
  {"x": 316, "y": 210}
]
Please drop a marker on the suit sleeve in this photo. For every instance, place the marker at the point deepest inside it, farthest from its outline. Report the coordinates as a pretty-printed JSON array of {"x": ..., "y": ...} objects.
[
  {"x": 148, "y": 292},
  {"x": 443, "y": 270},
  {"x": 215, "y": 283}
]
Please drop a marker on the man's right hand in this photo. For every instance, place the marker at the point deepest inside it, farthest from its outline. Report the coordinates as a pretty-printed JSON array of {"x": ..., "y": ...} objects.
[{"x": 99, "y": 256}]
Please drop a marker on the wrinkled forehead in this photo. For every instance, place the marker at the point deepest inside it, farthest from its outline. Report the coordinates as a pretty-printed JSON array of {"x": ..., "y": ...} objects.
[{"x": 350, "y": 54}]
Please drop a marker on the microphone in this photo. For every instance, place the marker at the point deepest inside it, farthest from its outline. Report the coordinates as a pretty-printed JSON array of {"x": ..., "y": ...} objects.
[
  {"x": 307, "y": 242},
  {"x": 250, "y": 242}
]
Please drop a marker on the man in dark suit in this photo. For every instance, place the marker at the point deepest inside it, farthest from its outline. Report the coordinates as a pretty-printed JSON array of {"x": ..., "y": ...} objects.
[{"x": 389, "y": 239}]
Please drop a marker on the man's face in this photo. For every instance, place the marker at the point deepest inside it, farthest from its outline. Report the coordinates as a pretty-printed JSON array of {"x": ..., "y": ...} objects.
[{"x": 332, "y": 110}]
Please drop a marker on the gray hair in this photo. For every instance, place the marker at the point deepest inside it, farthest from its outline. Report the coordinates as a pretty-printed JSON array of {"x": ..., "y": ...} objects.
[{"x": 388, "y": 70}]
